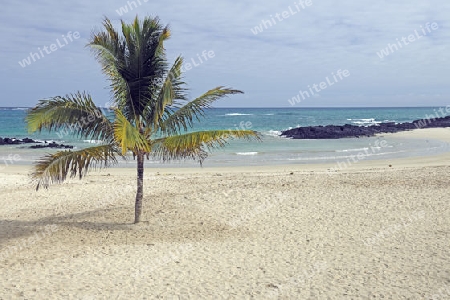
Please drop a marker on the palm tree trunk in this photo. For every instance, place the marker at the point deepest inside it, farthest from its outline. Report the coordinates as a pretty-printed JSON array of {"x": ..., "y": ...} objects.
[{"x": 140, "y": 188}]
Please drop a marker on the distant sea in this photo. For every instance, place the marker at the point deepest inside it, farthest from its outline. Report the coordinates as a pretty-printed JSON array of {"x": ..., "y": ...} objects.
[{"x": 269, "y": 122}]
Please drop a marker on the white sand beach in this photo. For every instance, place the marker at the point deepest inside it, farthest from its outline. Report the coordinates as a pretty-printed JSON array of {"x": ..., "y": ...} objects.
[{"x": 375, "y": 230}]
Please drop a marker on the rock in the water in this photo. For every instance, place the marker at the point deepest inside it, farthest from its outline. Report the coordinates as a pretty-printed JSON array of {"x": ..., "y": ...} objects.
[
  {"x": 14, "y": 141},
  {"x": 347, "y": 130},
  {"x": 52, "y": 145},
  {"x": 28, "y": 141}
]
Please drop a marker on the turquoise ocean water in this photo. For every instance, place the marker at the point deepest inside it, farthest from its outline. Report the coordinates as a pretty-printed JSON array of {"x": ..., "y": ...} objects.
[{"x": 269, "y": 122}]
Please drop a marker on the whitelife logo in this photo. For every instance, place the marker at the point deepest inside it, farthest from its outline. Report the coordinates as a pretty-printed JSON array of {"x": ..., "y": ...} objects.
[
  {"x": 431, "y": 118},
  {"x": 391, "y": 48},
  {"x": 187, "y": 66},
  {"x": 130, "y": 6},
  {"x": 319, "y": 87},
  {"x": 34, "y": 56},
  {"x": 10, "y": 160},
  {"x": 266, "y": 24}
]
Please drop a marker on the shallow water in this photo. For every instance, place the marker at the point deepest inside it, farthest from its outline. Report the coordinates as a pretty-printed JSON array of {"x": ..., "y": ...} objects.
[{"x": 272, "y": 149}]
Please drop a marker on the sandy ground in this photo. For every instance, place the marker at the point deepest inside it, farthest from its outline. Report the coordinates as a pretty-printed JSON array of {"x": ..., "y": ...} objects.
[{"x": 285, "y": 232}]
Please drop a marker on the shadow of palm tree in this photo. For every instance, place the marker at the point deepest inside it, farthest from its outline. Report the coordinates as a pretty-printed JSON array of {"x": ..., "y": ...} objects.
[{"x": 105, "y": 226}]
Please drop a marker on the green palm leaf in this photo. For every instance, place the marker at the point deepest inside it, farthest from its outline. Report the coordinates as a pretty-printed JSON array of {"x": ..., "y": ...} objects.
[
  {"x": 194, "y": 145},
  {"x": 128, "y": 136},
  {"x": 171, "y": 91},
  {"x": 184, "y": 117},
  {"x": 133, "y": 62},
  {"x": 54, "y": 168},
  {"x": 75, "y": 113}
]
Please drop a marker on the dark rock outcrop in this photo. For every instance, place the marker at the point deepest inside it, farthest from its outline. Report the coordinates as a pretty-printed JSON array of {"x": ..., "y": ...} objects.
[
  {"x": 347, "y": 130},
  {"x": 8, "y": 141},
  {"x": 51, "y": 145},
  {"x": 14, "y": 141}
]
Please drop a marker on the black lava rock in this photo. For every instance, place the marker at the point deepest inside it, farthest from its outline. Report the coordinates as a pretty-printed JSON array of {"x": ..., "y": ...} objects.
[
  {"x": 347, "y": 130},
  {"x": 14, "y": 141}
]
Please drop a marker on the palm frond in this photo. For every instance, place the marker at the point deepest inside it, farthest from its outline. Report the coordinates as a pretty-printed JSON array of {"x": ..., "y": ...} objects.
[
  {"x": 133, "y": 62},
  {"x": 110, "y": 49},
  {"x": 184, "y": 117},
  {"x": 54, "y": 168},
  {"x": 128, "y": 136},
  {"x": 194, "y": 145},
  {"x": 76, "y": 113},
  {"x": 171, "y": 90}
]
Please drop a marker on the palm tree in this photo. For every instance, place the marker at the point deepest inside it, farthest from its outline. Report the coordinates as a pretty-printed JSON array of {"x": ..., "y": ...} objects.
[{"x": 151, "y": 113}]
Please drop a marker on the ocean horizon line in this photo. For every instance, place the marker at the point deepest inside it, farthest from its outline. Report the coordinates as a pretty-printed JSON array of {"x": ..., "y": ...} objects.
[{"x": 285, "y": 107}]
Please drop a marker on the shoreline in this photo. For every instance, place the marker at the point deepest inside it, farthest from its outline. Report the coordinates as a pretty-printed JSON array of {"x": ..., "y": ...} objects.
[{"x": 441, "y": 134}]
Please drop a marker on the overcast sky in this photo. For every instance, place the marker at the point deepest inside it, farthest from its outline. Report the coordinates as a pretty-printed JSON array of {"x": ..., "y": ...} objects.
[{"x": 295, "y": 49}]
